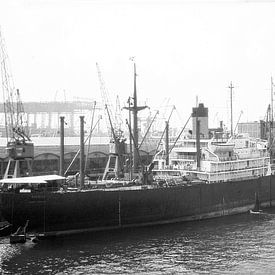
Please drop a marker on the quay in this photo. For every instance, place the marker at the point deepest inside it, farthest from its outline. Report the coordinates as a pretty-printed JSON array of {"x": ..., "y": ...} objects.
[
  {"x": 43, "y": 122},
  {"x": 47, "y": 154}
]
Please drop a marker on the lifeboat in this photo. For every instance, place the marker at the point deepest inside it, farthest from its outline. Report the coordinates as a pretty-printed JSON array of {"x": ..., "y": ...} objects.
[{"x": 222, "y": 147}]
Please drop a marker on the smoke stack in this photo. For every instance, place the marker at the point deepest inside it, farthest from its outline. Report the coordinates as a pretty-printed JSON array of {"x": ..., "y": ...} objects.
[{"x": 201, "y": 113}]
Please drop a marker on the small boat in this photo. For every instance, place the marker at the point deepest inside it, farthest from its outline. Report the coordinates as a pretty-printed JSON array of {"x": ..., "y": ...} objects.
[
  {"x": 256, "y": 210},
  {"x": 5, "y": 228},
  {"x": 20, "y": 235}
]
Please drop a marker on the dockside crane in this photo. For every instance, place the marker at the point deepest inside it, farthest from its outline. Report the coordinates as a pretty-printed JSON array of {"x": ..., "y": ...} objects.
[
  {"x": 20, "y": 148},
  {"x": 117, "y": 146}
]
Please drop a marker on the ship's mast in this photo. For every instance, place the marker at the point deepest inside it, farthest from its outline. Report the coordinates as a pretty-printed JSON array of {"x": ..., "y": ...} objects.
[
  {"x": 135, "y": 109},
  {"x": 231, "y": 107},
  {"x": 130, "y": 140},
  {"x": 271, "y": 119},
  {"x": 135, "y": 119},
  {"x": 271, "y": 91}
]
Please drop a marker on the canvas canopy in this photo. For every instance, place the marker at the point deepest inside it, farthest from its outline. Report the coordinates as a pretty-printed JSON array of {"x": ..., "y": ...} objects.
[{"x": 36, "y": 179}]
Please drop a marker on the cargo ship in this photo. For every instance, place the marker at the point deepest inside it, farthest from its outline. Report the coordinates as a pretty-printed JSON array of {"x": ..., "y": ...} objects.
[
  {"x": 216, "y": 176},
  {"x": 222, "y": 187}
]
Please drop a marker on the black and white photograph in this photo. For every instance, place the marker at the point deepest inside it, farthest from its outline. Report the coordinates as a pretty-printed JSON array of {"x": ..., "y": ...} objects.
[{"x": 137, "y": 137}]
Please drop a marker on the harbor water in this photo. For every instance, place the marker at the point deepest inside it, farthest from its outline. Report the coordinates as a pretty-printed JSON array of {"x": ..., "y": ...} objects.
[{"x": 240, "y": 244}]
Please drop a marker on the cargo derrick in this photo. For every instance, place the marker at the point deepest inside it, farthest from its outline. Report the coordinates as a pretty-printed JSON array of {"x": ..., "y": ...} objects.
[
  {"x": 270, "y": 123},
  {"x": 20, "y": 149}
]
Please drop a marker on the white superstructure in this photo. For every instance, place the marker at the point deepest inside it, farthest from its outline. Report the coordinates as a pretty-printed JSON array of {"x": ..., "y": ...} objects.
[{"x": 221, "y": 159}]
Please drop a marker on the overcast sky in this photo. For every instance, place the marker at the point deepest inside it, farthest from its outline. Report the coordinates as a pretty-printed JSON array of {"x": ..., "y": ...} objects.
[{"x": 182, "y": 49}]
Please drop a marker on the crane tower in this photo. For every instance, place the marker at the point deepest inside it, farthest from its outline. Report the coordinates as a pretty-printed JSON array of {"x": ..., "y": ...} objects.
[
  {"x": 117, "y": 145},
  {"x": 20, "y": 149}
]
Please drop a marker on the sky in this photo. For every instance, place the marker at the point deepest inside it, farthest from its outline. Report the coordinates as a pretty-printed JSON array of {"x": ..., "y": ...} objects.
[{"x": 182, "y": 49}]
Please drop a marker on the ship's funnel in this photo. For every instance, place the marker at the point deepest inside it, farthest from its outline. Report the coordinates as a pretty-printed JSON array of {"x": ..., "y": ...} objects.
[{"x": 201, "y": 113}]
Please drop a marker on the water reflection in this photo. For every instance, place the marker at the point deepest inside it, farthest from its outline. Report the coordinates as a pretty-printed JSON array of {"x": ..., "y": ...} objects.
[{"x": 241, "y": 243}]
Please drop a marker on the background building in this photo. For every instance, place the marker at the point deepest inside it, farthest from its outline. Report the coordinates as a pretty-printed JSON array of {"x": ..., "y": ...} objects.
[{"x": 256, "y": 129}]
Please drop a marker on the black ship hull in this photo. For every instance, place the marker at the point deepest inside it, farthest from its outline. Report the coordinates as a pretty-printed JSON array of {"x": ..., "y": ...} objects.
[{"x": 129, "y": 207}]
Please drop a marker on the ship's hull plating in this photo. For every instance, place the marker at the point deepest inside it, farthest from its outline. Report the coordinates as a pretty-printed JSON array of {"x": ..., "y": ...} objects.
[{"x": 98, "y": 209}]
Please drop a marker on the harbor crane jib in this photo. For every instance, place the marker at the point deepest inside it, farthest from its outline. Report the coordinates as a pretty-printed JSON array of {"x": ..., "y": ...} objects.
[
  {"x": 20, "y": 148},
  {"x": 117, "y": 145}
]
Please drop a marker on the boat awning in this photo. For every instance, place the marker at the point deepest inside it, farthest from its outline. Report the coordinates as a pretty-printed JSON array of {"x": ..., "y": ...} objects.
[{"x": 36, "y": 179}]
